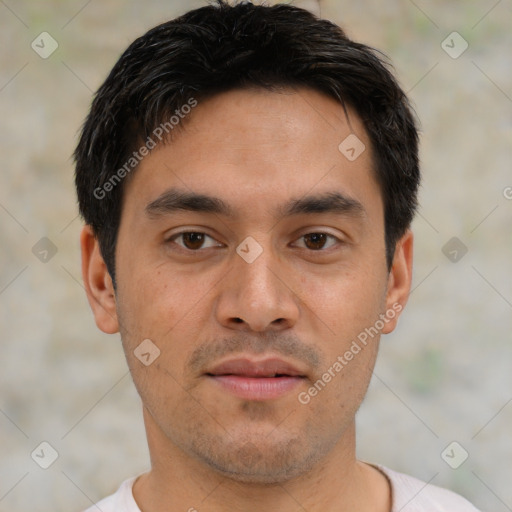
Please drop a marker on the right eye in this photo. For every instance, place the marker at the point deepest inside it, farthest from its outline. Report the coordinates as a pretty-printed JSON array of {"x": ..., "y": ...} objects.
[{"x": 192, "y": 240}]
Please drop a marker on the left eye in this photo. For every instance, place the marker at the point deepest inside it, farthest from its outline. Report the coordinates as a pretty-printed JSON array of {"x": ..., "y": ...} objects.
[
  {"x": 193, "y": 240},
  {"x": 317, "y": 241}
]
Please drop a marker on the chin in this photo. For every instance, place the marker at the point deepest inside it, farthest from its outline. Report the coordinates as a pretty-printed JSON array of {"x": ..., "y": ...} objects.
[{"x": 259, "y": 464}]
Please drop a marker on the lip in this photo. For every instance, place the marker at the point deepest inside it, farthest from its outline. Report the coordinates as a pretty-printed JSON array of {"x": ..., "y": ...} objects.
[
  {"x": 256, "y": 380},
  {"x": 246, "y": 367}
]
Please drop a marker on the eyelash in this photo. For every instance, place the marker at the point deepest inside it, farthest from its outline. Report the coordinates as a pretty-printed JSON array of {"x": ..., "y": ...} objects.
[{"x": 181, "y": 233}]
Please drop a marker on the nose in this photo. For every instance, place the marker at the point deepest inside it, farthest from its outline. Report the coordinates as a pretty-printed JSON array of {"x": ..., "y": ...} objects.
[{"x": 257, "y": 296}]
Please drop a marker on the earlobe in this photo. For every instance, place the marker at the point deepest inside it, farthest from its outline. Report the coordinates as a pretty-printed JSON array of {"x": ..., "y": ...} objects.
[
  {"x": 98, "y": 283},
  {"x": 399, "y": 281}
]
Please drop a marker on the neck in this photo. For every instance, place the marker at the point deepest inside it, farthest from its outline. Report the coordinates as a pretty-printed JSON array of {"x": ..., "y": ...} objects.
[{"x": 179, "y": 482}]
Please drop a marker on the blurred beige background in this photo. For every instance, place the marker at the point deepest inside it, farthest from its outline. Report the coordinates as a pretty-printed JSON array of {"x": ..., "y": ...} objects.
[{"x": 444, "y": 375}]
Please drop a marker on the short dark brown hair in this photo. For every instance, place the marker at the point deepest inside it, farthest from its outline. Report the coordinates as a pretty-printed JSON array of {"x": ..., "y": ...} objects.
[{"x": 221, "y": 47}]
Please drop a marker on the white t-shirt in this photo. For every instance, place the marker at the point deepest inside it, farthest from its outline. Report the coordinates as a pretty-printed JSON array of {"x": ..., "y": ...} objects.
[{"x": 408, "y": 495}]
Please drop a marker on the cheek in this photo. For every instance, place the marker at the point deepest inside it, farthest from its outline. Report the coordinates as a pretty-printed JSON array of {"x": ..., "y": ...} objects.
[
  {"x": 331, "y": 402},
  {"x": 171, "y": 310},
  {"x": 152, "y": 300},
  {"x": 345, "y": 301}
]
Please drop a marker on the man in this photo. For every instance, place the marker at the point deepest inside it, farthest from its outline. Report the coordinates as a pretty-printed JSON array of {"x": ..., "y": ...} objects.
[{"x": 248, "y": 176}]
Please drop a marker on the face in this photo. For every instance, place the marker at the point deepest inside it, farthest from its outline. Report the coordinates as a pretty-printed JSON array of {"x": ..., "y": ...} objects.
[{"x": 251, "y": 254}]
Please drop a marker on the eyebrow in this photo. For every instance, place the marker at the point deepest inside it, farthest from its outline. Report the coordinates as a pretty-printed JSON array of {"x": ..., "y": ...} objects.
[{"x": 174, "y": 200}]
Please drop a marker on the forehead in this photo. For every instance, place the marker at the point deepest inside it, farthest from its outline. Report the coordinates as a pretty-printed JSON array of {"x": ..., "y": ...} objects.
[{"x": 253, "y": 147}]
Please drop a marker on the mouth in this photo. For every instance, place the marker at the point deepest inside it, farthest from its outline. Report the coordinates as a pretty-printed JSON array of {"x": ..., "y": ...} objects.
[{"x": 256, "y": 380}]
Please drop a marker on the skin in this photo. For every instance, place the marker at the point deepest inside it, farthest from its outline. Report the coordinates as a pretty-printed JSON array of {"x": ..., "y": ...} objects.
[{"x": 300, "y": 301}]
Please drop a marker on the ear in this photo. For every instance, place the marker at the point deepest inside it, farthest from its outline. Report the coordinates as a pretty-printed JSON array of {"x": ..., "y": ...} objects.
[
  {"x": 399, "y": 281},
  {"x": 98, "y": 283}
]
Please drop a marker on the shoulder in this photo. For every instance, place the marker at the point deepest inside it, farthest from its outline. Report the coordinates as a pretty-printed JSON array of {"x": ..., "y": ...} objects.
[
  {"x": 412, "y": 495},
  {"x": 121, "y": 501}
]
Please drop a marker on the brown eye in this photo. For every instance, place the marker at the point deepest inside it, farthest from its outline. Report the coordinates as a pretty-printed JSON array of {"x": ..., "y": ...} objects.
[
  {"x": 315, "y": 240},
  {"x": 192, "y": 240},
  {"x": 318, "y": 241}
]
